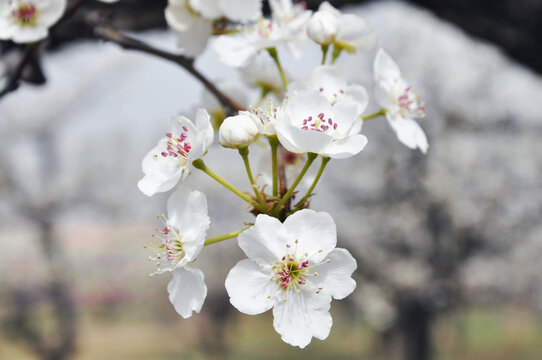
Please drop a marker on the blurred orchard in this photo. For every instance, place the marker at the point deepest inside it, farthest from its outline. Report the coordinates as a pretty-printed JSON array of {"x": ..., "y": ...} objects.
[{"x": 447, "y": 239}]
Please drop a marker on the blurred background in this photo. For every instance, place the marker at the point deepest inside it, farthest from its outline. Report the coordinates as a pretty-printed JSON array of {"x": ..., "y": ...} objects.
[{"x": 449, "y": 245}]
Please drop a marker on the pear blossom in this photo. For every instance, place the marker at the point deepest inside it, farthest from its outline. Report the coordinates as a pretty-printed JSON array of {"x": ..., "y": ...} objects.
[
  {"x": 25, "y": 21},
  {"x": 331, "y": 83},
  {"x": 266, "y": 118},
  {"x": 238, "y": 131},
  {"x": 237, "y": 50},
  {"x": 308, "y": 122},
  {"x": 287, "y": 26},
  {"x": 400, "y": 102},
  {"x": 262, "y": 73},
  {"x": 178, "y": 244},
  {"x": 171, "y": 160},
  {"x": 236, "y": 10},
  {"x": 353, "y": 33},
  {"x": 292, "y": 18},
  {"x": 295, "y": 269},
  {"x": 192, "y": 30}
]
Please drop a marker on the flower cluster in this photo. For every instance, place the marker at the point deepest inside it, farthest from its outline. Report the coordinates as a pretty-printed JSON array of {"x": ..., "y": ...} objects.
[{"x": 293, "y": 265}]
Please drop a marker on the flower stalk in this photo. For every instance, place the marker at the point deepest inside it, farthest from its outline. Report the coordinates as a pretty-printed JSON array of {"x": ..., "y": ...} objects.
[
  {"x": 273, "y": 52},
  {"x": 282, "y": 202},
  {"x": 244, "y": 154},
  {"x": 302, "y": 202},
  {"x": 227, "y": 236},
  {"x": 199, "y": 164},
  {"x": 381, "y": 112}
]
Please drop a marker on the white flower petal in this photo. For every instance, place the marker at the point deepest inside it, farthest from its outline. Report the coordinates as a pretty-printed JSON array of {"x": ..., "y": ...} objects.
[
  {"x": 315, "y": 231},
  {"x": 384, "y": 67},
  {"x": 345, "y": 148},
  {"x": 266, "y": 241},
  {"x": 209, "y": 9},
  {"x": 251, "y": 289},
  {"x": 187, "y": 291},
  {"x": 335, "y": 277},
  {"x": 303, "y": 316},
  {"x": 409, "y": 132},
  {"x": 329, "y": 81},
  {"x": 301, "y": 141}
]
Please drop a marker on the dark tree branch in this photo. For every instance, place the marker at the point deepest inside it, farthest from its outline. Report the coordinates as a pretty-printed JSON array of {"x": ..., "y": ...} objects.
[{"x": 130, "y": 43}]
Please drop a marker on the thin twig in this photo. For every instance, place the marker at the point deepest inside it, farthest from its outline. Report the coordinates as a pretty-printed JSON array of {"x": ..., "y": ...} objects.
[{"x": 130, "y": 43}]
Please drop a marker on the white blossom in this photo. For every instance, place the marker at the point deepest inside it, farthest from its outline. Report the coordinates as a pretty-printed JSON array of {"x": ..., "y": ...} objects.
[
  {"x": 25, "y": 21},
  {"x": 178, "y": 244},
  {"x": 262, "y": 73},
  {"x": 292, "y": 19},
  {"x": 294, "y": 268},
  {"x": 192, "y": 30},
  {"x": 238, "y": 131},
  {"x": 171, "y": 160},
  {"x": 308, "y": 122},
  {"x": 400, "y": 102},
  {"x": 331, "y": 83},
  {"x": 287, "y": 26},
  {"x": 354, "y": 34}
]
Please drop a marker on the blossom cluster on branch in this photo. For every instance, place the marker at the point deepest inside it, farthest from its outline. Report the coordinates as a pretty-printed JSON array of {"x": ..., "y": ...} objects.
[{"x": 293, "y": 265}]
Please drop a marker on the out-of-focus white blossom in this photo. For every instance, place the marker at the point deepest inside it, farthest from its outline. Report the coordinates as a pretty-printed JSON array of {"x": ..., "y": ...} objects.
[
  {"x": 26, "y": 21},
  {"x": 400, "y": 102},
  {"x": 171, "y": 160},
  {"x": 262, "y": 73},
  {"x": 238, "y": 131},
  {"x": 354, "y": 34},
  {"x": 294, "y": 268},
  {"x": 178, "y": 244},
  {"x": 307, "y": 122},
  {"x": 192, "y": 30}
]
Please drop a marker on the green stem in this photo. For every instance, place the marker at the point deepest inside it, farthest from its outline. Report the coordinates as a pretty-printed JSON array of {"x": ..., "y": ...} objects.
[
  {"x": 273, "y": 52},
  {"x": 325, "y": 48},
  {"x": 244, "y": 154},
  {"x": 199, "y": 164},
  {"x": 311, "y": 157},
  {"x": 274, "y": 143},
  {"x": 302, "y": 202},
  {"x": 265, "y": 92},
  {"x": 227, "y": 236},
  {"x": 337, "y": 50},
  {"x": 381, "y": 112}
]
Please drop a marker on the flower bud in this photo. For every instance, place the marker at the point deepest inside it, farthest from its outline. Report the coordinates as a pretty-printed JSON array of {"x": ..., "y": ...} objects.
[
  {"x": 323, "y": 27},
  {"x": 238, "y": 131}
]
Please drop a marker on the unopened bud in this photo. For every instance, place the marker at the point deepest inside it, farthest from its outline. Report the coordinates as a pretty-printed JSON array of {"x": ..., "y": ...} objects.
[
  {"x": 238, "y": 131},
  {"x": 323, "y": 27}
]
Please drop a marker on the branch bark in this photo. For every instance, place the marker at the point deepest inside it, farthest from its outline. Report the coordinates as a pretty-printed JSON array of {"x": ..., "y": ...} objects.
[{"x": 130, "y": 43}]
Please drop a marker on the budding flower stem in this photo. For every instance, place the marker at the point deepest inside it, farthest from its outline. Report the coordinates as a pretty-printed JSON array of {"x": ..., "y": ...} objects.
[
  {"x": 227, "y": 236},
  {"x": 381, "y": 112},
  {"x": 244, "y": 154},
  {"x": 199, "y": 164},
  {"x": 337, "y": 50},
  {"x": 301, "y": 202},
  {"x": 274, "y": 143},
  {"x": 310, "y": 159},
  {"x": 273, "y": 52},
  {"x": 325, "y": 48}
]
